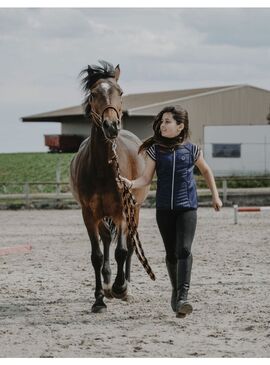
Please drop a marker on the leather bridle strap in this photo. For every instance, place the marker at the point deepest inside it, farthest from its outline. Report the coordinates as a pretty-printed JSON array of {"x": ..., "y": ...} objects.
[
  {"x": 98, "y": 120},
  {"x": 110, "y": 107}
]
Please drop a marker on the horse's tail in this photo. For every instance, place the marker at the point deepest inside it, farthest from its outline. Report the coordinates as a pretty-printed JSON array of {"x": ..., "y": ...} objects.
[{"x": 129, "y": 209}]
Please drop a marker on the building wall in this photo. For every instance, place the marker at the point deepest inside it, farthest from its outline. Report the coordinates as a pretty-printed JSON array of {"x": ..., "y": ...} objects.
[
  {"x": 233, "y": 106},
  {"x": 76, "y": 125},
  {"x": 245, "y": 105},
  {"x": 255, "y": 149},
  {"x": 141, "y": 126},
  {"x": 240, "y": 106}
]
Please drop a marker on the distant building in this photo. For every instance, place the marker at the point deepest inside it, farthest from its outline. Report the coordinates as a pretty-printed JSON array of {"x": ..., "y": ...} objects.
[
  {"x": 235, "y": 105},
  {"x": 238, "y": 150}
]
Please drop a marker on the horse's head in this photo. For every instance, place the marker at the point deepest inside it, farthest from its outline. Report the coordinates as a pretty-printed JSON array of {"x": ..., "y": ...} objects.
[{"x": 104, "y": 97}]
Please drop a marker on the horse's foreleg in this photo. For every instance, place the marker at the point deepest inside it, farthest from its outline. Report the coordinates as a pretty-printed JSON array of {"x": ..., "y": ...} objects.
[
  {"x": 97, "y": 261},
  {"x": 119, "y": 288},
  {"x": 128, "y": 261},
  {"x": 105, "y": 235},
  {"x": 129, "y": 296}
]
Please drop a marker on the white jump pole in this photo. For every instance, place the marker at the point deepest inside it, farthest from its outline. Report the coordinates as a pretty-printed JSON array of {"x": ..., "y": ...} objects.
[
  {"x": 246, "y": 209},
  {"x": 235, "y": 208}
]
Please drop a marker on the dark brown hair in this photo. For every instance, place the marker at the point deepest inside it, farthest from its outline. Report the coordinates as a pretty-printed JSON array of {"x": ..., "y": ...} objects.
[{"x": 181, "y": 116}]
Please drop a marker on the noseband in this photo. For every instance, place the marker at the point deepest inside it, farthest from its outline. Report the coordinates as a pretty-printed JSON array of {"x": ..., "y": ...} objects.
[{"x": 99, "y": 120}]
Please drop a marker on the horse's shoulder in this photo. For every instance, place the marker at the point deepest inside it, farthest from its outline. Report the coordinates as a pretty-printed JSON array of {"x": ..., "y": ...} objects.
[
  {"x": 84, "y": 143},
  {"x": 127, "y": 136}
]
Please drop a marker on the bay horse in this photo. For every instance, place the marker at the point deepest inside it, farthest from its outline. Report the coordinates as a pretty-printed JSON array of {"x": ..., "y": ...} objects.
[{"x": 93, "y": 176}]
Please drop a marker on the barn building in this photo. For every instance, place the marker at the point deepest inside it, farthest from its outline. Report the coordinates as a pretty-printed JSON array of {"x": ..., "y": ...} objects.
[{"x": 226, "y": 106}]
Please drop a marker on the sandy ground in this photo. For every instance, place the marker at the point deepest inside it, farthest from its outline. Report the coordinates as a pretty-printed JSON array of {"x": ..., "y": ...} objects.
[{"x": 46, "y": 295}]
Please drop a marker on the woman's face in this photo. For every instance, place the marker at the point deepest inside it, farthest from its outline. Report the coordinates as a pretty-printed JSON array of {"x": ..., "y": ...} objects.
[{"x": 168, "y": 127}]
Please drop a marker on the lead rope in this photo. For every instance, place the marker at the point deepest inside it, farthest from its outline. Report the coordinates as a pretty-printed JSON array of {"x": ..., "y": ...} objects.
[{"x": 129, "y": 209}]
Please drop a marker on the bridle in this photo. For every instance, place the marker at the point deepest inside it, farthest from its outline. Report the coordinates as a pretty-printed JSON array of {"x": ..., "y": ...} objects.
[{"x": 99, "y": 119}]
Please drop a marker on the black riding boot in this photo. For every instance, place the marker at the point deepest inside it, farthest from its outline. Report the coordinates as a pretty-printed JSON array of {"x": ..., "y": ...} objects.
[
  {"x": 183, "y": 280},
  {"x": 172, "y": 271}
]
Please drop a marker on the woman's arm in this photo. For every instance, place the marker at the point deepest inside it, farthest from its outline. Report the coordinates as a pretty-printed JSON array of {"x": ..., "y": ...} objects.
[
  {"x": 210, "y": 181},
  {"x": 145, "y": 178}
]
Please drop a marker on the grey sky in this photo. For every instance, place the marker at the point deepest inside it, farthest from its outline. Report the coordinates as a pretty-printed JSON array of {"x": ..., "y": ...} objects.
[{"x": 43, "y": 50}]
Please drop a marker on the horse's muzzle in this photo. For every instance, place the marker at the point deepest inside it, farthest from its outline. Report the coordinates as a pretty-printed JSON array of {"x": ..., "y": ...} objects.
[{"x": 110, "y": 129}]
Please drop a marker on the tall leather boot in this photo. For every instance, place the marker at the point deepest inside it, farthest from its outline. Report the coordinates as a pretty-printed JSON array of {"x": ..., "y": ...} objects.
[
  {"x": 183, "y": 280},
  {"x": 172, "y": 271}
]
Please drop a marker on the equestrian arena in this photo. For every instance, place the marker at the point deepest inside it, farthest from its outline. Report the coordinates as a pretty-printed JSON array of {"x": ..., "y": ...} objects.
[{"x": 47, "y": 292}]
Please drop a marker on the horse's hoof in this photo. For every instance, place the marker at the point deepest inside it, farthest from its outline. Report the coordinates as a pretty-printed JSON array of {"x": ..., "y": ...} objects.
[
  {"x": 120, "y": 293},
  {"x": 180, "y": 315},
  {"x": 108, "y": 293},
  {"x": 107, "y": 289},
  {"x": 99, "y": 309},
  {"x": 129, "y": 298}
]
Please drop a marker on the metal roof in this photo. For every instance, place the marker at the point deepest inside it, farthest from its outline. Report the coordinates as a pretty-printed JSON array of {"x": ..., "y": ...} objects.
[{"x": 134, "y": 104}]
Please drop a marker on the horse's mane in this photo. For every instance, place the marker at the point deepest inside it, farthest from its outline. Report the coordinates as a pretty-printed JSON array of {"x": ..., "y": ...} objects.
[{"x": 93, "y": 74}]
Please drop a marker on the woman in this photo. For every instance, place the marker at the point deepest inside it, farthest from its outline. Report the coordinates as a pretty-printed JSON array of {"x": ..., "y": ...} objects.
[{"x": 173, "y": 157}]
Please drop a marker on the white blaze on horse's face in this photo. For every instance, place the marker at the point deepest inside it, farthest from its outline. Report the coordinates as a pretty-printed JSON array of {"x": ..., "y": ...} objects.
[{"x": 106, "y": 87}]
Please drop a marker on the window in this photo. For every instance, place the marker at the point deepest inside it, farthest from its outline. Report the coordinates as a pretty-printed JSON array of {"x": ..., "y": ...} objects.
[{"x": 226, "y": 150}]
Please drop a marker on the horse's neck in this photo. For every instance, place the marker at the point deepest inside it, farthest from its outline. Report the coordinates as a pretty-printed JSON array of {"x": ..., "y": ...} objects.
[{"x": 100, "y": 150}]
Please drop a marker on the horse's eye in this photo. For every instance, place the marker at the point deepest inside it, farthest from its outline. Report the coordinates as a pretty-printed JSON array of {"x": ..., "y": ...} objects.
[{"x": 92, "y": 96}]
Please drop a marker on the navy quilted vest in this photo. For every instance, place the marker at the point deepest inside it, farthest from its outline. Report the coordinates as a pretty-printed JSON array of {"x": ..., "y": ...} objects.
[{"x": 176, "y": 186}]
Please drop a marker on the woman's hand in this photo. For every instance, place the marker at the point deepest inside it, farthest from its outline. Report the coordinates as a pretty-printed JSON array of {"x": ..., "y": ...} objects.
[
  {"x": 125, "y": 181},
  {"x": 217, "y": 203}
]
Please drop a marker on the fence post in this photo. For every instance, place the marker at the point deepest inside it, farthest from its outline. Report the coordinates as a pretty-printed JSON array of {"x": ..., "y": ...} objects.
[
  {"x": 225, "y": 191},
  {"x": 58, "y": 181},
  {"x": 26, "y": 191}
]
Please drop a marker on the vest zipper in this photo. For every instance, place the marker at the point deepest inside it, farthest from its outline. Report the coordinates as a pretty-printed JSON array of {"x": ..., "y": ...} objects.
[{"x": 173, "y": 179}]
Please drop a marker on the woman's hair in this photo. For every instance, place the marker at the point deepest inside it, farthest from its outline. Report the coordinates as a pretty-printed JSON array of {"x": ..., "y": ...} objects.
[{"x": 181, "y": 116}]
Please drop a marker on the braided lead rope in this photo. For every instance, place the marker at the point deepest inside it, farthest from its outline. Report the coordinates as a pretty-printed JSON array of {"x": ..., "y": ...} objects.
[
  {"x": 133, "y": 234},
  {"x": 96, "y": 118},
  {"x": 129, "y": 209}
]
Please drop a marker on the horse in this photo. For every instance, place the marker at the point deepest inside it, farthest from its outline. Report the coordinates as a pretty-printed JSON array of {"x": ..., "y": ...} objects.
[{"x": 94, "y": 183}]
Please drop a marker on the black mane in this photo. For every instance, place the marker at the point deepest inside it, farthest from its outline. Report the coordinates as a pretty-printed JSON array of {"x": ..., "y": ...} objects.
[{"x": 93, "y": 74}]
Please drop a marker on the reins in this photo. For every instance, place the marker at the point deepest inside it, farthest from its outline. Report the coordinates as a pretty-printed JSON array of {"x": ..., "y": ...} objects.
[{"x": 129, "y": 202}]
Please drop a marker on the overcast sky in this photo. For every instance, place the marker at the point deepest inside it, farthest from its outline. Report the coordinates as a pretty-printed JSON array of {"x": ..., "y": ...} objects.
[{"x": 42, "y": 52}]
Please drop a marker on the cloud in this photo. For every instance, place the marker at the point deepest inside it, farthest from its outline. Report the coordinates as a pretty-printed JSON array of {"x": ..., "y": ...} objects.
[
  {"x": 43, "y": 50},
  {"x": 248, "y": 27}
]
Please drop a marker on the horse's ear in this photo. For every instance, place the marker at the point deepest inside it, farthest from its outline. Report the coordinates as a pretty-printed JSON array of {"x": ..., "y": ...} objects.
[{"x": 117, "y": 72}]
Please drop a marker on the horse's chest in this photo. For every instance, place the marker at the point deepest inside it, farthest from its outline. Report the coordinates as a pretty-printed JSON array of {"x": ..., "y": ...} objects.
[{"x": 105, "y": 204}]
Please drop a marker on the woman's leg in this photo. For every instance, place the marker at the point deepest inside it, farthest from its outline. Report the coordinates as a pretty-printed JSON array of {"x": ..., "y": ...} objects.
[
  {"x": 186, "y": 226},
  {"x": 166, "y": 220}
]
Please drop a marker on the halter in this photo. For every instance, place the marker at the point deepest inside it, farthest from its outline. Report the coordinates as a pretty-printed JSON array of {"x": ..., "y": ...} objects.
[{"x": 99, "y": 120}]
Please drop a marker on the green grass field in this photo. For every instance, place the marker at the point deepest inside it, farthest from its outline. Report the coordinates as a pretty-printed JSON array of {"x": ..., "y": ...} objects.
[{"x": 18, "y": 168}]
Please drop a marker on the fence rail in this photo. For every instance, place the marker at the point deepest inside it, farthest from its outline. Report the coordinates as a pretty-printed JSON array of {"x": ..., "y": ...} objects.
[
  {"x": 58, "y": 192},
  {"x": 27, "y": 192}
]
